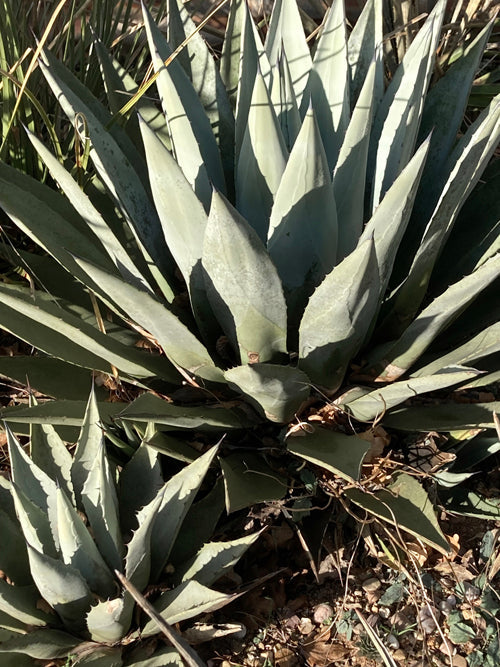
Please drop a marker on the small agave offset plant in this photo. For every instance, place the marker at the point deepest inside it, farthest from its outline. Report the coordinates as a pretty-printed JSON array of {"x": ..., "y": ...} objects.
[
  {"x": 284, "y": 228},
  {"x": 59, "y": 595}
]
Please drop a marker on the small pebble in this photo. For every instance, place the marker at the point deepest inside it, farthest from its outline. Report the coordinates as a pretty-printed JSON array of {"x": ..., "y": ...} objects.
[
  {"x": 472, "y": 593},
  {"x": 384, "y": 612},
  {"x": 459, "y": 661},
  {"x": 322, "y": 613},
  {"x": 392, "y": 642},
  {"x": 399, "y": 655},
  {"x": 371, "y": 585},
  {"x": 445, "y": 608},
  {"x": 306, "y": 626},
  {"x": 448, "y": 648}
]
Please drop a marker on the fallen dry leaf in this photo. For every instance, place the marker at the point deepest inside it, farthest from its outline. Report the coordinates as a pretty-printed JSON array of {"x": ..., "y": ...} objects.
[{"x": 322, "y": 654}]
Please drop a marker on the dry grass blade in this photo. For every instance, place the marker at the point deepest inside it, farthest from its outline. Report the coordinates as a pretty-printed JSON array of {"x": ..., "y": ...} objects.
[
  {"x": 185, "y": 651},
  {"x": 384, "y": 653}
]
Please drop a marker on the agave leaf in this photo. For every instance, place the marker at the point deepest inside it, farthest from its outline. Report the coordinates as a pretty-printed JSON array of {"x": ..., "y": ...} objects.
[
  {"x": 9, "y": 627},
  {"x": 405, "y": 504},
  {"x": 253, "y": 59},
  {"x": 398, "y": 357},
  {"x": 150, "y": 408},
  {"x": 21, "y": 603},
  {"x": 398, "y": 118},
  {"x": 49, "y": 453},
  {"x": 164, "y": 657},
  {"x": 284, "y": 101},
  {"x": 483, "y": 380},
  {"x": 466, "y": 502},
  {"x": 377, "y": 402},
  {"x": 79, "y": 550},
  {"x": 35, "y": 484},
  {"x": 46, "y": 644},
  {"x": 35, "y": 524},
  {"x": 185, "y": 601},
  {"x": 87, "y": 449},
  {"x": 50, "y": 220},
  {"x": 201, "y": 68},
  {"x": 286, "y": 33},
  {"x": 175, "y": 201},
  {"x": 62, "y": 587},
  {"x": 173, "y": 447},
  {"x": 475, "y": 450},
  {"x": 37, "y": 319},
  {"x": 94, "y": 220},
  {"x": 68, "y": 413},
  {"x": 349, "y": 177},
  {"x": 276, "y": 391},
  {"x": 102, "y": 656},
  {"x": 229, "y": 63},
  {"x": 51, "y": 377},
  {"x": 443, "y": 417},
  {"x": 214, "y": 559},
  {"x": 328, "y": 83},
  {"x": 101, "y": 507},
  {"x": 365, "y": 40},
  {"x": 14, "y": 560},
  {"x": 178, "y": 495},
  {"x": 485, "y": 343},
  {"x": 261, "y": 160},
  {"x": 116, "y": 160},
  {"x": 332, "y": 330},
  {"x": 198, "y": 525},
  {"x": 177, "y": 341},
  {"x": 244, "y": 289},
  {"x": 193, "y": 141},
  {"x": 140, "y": 481},
  {"x": 138, "y": 558},
  {"x": 109, "y": 620},
  {"x": 341, "y": 454},
  {"x": 302, "y": 236},
  {"x": 470, "y": 159},
  {"x": 248, "y": 481}
]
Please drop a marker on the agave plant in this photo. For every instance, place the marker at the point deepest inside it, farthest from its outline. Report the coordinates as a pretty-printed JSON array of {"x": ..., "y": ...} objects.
[
  {"x": 68, "y": 523},
  {"x": 282, "y": 234}
]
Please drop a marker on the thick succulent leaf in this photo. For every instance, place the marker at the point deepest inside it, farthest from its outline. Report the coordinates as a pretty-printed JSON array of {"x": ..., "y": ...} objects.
[
  {"x": 173, "y": 447},
  {"x": 62, "y": 587},
  {"x": 16, "y": 659},
  {"x": 94, "y": 220},
  {"x": 261, "y": 160},
  {"x": 69, "y": 413},
  {"x": 253, "y": 59},
  {"x": 485, "y": 343},
  {"x": 185, "y": 601},
  {"x": 398, "y": 118},
  {"x": 108, "y": 621},
  {"x": 475, "y": 450},
  {"x": 150, "y": 408},
  {"x": 49, "y": 453},
  {"x": 276, "y": 391},
  {"x": 37, "y": 319},
  {"x": 102, "y": 656},
  {"x": 286, "y": 33},
  {"x": 35, "y": 524},
  {"x": 214, "y": 559},
  {"x": 404, "y": 503},
  {"x": 193, "y": 141},
  {"x": 466, "y": 502},
  {"x": 118, "y": 164},
  {"x": 79, "y": 550},
  {"x": 164, "y": 657},
  {"x": 49, "y": 220},
  {"x": 302, "y": 235},
  {"x": 175, "y": 201},
  {"x": 443, "y": 417},
  {"x": 229, "y": 63},
  {"x": 14, "y": 560},
  {"x": 9, "y": 627},
  {"x": 248, "y": 480},
  {"x": 483, "y": 380},
  {"x": 179, "y": 344},
  {"x": 474, "y": 152},
  {"x": 88, "y": 446},
  {"x": 398, "y": 357},
  {"x": 389, "y": 222},
  {"x": 198, "y": 525},
  {"x": 140, "y": 481},
  {"x": 364, "y": 40},
  {"x": 443, "y": 116},
  {"x": 339, "y": 453},
  {"x": 328, "y": 83},
  {"x": 41, "y": 644},
  {"x": 333, "y": 329},
  {"x": 138, "y": 558},
  {"x": 100, "y": 502},
  {"x": 34, "y": 483},
  {"x": 243, "y": 287},
  {"x": 21, "y": 603},
  {"x": 349, "y": 177},
  {"x": 178, "y": 495},
  {"x": 51, "y": 377},
  {"x": 202, "y": 70},
  {"x": 379, "y": 401},
  {"x": 284, "y": 101}
]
